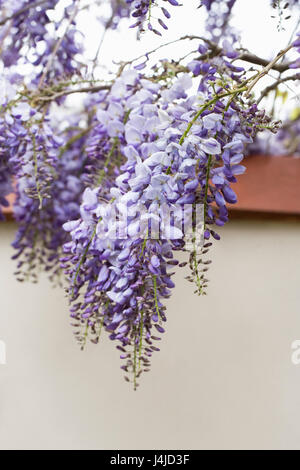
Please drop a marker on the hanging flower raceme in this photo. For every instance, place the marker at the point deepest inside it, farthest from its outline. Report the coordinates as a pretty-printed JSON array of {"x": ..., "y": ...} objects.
[
  {"x": 7, "y": 95},
  {"x": 104, "y": 147},
  {"x": 29, "y": 147},
  {"x": 218, "y": 19},
  {"x": 33, "y": 150}
]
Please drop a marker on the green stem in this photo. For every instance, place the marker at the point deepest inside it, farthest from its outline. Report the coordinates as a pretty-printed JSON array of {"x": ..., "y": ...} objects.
[{"x": 144, "y": 245}]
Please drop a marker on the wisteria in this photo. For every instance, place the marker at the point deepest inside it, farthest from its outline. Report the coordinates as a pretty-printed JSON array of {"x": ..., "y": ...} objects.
[
  {"x": 142, "y": 11},
  {"x": 113, "y": 192},
  {"x": 166, "y": 167}
]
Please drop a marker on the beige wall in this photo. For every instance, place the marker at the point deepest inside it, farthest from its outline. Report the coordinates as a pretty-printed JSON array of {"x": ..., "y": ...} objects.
[{"x": 224, "y": 378}]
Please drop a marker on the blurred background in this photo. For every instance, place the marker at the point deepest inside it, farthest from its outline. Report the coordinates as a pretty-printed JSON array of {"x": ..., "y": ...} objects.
[{"x": 223, "y": 379}]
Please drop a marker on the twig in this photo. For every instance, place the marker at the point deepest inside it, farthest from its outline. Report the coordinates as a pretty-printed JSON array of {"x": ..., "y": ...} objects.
[
  {"x": 156, "y": 49},
  {"x": 57, "y": 46}
]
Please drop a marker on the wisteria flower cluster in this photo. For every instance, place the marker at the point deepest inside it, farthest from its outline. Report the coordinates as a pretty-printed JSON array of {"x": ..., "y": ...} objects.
[{"x": 108, "y": 195}]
